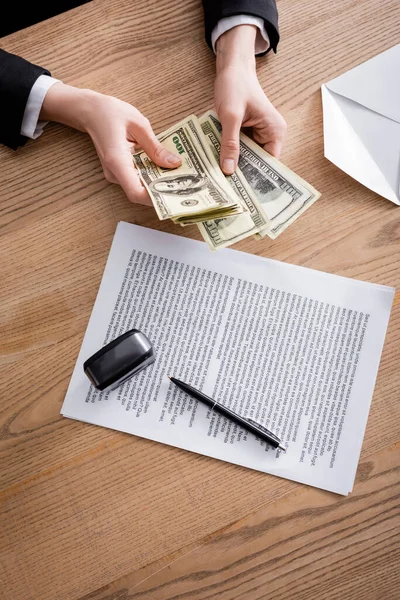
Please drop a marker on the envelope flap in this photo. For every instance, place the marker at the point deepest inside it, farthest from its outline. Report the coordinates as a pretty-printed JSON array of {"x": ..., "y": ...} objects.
[{"x": 374, "y": 84}]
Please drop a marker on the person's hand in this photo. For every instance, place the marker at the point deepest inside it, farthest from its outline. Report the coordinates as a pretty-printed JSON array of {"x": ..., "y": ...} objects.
[
  {"x": 240, "y": 100},
  {"x": 116, "y": 128}
]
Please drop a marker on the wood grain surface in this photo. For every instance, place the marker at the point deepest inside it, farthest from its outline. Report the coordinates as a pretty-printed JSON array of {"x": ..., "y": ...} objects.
[{"x": 87, "y": 513}]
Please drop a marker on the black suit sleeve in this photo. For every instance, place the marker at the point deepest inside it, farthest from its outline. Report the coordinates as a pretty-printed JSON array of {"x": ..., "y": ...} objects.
[
  {"x": 214, "y": 10},
  {"x": 17, "y": 77}
]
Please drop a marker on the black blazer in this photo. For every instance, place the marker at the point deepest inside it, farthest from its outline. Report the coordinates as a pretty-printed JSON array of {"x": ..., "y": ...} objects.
[
  {"x": 16, "y": 15},
  {"x": 17, "y": 75}
]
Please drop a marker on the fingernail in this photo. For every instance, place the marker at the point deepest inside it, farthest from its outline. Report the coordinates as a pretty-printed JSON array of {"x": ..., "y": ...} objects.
[
  {"x": 228, "y": 165},
  {"x": 172, "y": 159}
]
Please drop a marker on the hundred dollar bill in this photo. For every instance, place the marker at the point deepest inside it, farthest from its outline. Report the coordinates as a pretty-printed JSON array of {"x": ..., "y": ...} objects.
[
  {"x": 220, "y": 233},
  {"x": 283, "y": 195},
  {"x": 192, "y": 192}
]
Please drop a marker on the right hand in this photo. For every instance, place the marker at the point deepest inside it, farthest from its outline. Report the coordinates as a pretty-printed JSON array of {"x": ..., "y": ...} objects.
[
  {"x": 116, "y": 128},
  {"x": 240, "y": 100}
]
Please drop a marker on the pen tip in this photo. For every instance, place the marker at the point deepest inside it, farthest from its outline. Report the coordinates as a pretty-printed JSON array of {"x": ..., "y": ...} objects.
[
  {"x": 169, "y": 376},
  {"x": 282, "y": 447}
]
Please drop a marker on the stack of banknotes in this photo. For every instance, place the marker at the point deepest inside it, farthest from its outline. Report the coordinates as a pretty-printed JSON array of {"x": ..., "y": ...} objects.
[{"x": 261, "y": 198}]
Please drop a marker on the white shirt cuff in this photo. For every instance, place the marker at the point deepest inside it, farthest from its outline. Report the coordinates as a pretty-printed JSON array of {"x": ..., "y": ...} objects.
[
  {"x": 223, "y": 25},
  {"x": 31, "y": 126}
]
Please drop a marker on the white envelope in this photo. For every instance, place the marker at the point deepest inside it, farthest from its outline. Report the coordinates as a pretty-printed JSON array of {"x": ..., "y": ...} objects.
[{"x": 362, "y": 123}]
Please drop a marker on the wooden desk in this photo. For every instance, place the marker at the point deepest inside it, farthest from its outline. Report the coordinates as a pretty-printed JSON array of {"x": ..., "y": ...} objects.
[{"x": 90, "y": 513}]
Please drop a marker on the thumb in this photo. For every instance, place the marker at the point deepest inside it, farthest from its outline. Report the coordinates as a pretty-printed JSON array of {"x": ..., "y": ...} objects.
[
  {"x": 146, "y": 138},
  {"x": 230, "y": 143}
]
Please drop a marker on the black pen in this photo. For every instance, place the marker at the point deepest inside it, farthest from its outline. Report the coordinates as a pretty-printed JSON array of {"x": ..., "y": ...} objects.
[{"x": 249, "y": 424}]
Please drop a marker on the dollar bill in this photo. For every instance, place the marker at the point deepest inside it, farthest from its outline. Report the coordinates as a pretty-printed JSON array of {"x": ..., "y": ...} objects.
[
  {"x": 282, "y": 194},
  {"x": 220, "y": 233},
  {"x": 194, "y": 191}
]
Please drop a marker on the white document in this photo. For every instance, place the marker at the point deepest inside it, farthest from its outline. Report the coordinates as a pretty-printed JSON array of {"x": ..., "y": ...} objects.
[
  {"x": 294, "y": 349},
  {"x": 361, "y": 111}
]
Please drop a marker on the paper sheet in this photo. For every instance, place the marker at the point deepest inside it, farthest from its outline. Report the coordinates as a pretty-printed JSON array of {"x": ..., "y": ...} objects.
[{"x": 295, "y": 349}]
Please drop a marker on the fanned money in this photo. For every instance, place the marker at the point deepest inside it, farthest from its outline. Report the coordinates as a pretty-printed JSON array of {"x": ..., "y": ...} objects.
[
  {"x": 219, "y": 233},
  {"x": 280, "y": 195},
  {"x": 262, "y": 197},
  {"x": 193, "y": 192}
]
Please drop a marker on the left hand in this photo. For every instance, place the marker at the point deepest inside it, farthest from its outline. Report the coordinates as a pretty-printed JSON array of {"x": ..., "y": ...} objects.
[
  {"x": 116, "y": 128},
  {"x": 240, "y": 100}
]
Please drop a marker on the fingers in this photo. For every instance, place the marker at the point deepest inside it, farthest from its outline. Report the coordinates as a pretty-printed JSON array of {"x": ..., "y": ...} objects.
[
  {"x": 115, "y": 126},
  {"x": 146, "y": 138},
  {"x": 274, "y": 147},
  {"x": 271, "y": 134},
  {"x": 119, "y": 168},
  {"x": 231, "y": 123}
]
